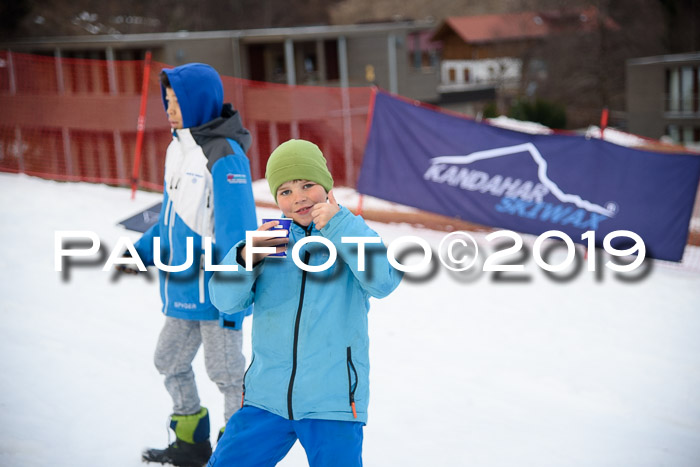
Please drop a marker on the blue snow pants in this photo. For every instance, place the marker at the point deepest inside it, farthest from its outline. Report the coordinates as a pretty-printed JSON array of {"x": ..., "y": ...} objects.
[{"x": 258, "y": 438}]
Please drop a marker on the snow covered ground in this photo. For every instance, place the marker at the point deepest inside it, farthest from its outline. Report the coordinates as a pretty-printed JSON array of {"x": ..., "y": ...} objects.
[{"x": 465, "y": 371}]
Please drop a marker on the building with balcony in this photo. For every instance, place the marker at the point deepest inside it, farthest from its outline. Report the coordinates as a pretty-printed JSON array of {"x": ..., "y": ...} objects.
[
  {"x": 663, "y": 97},
  {"x": 487, "y": 57}
]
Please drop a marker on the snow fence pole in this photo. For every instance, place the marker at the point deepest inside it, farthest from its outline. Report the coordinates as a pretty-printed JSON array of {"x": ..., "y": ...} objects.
[
  {"x": 603, "y": 122},
  {"x": 141, "y": 125},
  {"x": 368, "y": 126}
]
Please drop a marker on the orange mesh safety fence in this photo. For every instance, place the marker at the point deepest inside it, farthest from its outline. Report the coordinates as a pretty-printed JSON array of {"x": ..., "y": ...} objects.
[{"x": 76, "y": 120}]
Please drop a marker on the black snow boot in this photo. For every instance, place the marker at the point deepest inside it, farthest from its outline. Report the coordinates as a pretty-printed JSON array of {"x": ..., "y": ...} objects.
[
  {"x": 181, "y": 454},
  {"x": 191, "y": 447}
]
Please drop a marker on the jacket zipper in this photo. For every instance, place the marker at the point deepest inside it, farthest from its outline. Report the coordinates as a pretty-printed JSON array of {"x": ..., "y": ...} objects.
[
  {"x": 170, "y": 217},
  {"x": 170, "y": 258},
  {"x": 169, "y": 220},
  {"x": 205, "y": 231},
  {"x": 351, "y": 387},
  {"x": 296, "y": 331},
  {"x": 201, "y": 278},
  {"x": 244, "y": 375},
  {"x": 166, "y": 217}
]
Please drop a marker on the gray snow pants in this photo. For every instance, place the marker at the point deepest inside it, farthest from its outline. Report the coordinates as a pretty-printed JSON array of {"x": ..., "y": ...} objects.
[{"x": 177, "y": 346}]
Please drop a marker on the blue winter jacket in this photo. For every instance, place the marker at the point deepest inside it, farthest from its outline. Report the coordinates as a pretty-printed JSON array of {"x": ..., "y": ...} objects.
[
  {"x": 310, "y": 338},
  {"x": 207, "y": 193}
]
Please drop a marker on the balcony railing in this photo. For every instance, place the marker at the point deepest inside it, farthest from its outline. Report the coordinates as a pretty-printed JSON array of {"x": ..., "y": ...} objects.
[{"x": 458, "y": 75}]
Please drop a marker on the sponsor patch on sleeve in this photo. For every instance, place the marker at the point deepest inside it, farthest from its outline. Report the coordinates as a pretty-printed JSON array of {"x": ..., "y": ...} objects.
[{"x": 236, "y": 178}]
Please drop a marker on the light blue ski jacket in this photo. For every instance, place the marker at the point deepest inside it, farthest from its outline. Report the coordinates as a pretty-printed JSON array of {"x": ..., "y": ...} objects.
[
  {"x": 310, "y": 337},
  {"x": 207, "y": 193}
]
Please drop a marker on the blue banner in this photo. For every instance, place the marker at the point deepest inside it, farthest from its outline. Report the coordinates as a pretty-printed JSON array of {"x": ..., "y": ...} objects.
[{"x": 495, "y": 177}]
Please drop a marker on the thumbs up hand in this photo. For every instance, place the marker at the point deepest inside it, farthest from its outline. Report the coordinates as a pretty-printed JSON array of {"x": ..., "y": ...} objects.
[{"x": 322, "y": 212}]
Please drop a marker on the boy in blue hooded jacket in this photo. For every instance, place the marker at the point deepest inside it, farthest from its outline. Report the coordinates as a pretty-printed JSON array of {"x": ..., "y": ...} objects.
[
  {"x": 309, "y": 374},
  {"x": 207, "y": 193}
]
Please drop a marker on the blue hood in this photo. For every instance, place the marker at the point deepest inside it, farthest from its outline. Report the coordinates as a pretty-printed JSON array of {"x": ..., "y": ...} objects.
[{"x": 199, "y": 92}]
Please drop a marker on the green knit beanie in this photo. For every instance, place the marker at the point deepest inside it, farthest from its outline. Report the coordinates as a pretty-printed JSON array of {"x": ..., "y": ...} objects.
[{"x": 297, "y": 159}]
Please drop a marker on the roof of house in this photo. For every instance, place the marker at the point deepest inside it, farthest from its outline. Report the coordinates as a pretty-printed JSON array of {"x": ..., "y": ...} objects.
[{"x": 513, "y": 26}]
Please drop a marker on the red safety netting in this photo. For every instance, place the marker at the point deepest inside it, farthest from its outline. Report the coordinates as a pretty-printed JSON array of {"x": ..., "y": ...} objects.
[{"x": 76, "y": 120}]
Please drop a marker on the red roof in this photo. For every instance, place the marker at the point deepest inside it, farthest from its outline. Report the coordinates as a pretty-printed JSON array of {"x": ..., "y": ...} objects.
[{"x": 526, "y": 25}]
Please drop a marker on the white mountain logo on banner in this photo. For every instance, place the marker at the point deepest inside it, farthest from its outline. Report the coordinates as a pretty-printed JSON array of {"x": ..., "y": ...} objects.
[{"x": 447, "y": 170}]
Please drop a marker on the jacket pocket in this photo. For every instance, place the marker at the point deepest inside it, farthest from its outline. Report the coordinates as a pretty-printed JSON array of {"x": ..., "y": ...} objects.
[{"x": 352, "y": 381}]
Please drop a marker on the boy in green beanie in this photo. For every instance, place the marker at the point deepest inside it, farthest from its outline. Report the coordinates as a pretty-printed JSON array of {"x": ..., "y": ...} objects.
[{"x": 309, "y": 374}]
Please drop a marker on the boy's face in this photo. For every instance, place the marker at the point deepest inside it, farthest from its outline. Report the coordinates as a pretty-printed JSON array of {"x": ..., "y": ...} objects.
[
  {"x": 297, "y": 198},
  {"x": 174, "y": 114}
]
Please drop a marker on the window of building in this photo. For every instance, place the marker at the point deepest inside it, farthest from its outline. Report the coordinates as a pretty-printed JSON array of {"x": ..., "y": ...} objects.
[
  {"x": 674, "y": 133},
  {"x": 684, "y": 134},
  {"x": 452, "y": 75},
  {"x": 423, "y": 54},
  {"x": 687, "y": 85},
  {"x": 688, "y": 135},
  {"x": 311, "y": 71},
  {"x": 279, "y": 69},
  {"x": 682, "y": 89}
]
